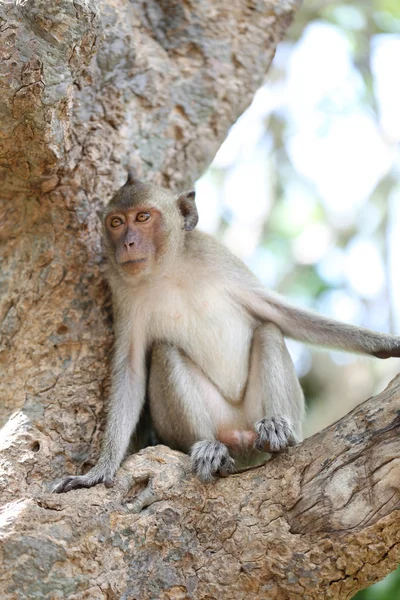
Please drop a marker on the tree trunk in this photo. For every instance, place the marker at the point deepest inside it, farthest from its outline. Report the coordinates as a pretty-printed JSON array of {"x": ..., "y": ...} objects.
[{"x": 86, "y": 89}]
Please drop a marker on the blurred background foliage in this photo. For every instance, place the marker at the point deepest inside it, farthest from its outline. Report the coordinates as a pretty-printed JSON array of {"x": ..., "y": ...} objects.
[{"x": 306, "y": 190}]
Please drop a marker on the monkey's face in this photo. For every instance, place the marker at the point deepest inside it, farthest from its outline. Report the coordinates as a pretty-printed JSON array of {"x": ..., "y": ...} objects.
[
  {"x": 135, "y": 237},
  {"x": 145, "y": 226}
]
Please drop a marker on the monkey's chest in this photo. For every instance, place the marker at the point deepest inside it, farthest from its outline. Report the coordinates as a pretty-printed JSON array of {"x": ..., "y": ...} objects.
[{"x": 215, "y": 334}]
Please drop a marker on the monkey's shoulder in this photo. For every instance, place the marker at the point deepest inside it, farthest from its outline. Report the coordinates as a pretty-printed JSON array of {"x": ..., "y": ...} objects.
[
  {"x": 216, "y": 257},
  {"x": 203, "y": 244}
]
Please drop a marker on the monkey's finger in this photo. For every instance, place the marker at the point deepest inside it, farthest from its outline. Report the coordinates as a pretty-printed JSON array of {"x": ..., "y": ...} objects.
[
  {"x": 79, "y": 482},
  {"x": 227, "y": 467},
  {"x": 395, "y": 353},
  {"x": 274, "y": 434},
  {"x": 108, "y": 482},
  {"x": 60, "y": 488}
]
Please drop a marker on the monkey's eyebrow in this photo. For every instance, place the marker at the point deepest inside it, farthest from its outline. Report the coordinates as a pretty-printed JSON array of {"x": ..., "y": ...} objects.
[
  {"x": 114, "y": 213},
  {"x": 143, "y": 208}
]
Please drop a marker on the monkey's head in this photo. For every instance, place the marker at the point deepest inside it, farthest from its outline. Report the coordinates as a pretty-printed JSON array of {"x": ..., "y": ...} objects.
[{"x": 144, "y": 225}]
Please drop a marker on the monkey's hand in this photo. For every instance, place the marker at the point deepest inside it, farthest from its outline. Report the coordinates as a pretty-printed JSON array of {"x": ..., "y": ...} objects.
[
  {"x": 99, "y": 474},
  {"x": 274, "y": 434}
]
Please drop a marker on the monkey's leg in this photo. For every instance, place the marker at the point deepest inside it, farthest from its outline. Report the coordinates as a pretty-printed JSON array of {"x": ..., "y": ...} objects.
[
  {"x": 186, "y": 408},
  {"x": 273, "y": 391}
]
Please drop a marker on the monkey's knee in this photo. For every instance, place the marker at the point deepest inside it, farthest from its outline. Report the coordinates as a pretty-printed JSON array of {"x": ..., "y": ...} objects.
[
  {"x": 160, "y": 352},
  {"x": 211, "y": 458},
  {"x": 268, "y": 329}
]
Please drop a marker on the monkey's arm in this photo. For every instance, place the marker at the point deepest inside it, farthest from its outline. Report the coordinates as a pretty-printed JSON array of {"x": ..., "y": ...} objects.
[
  {"x": 302, "y": 325},
  {"x": 126, "y": 403},
  {"x": 306, "y": 326}
]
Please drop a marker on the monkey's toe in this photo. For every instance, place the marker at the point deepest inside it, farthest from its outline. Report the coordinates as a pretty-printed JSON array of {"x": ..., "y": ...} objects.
[
  {"x": 274, "y": 434},
  {"x": 210, "y": 458}
]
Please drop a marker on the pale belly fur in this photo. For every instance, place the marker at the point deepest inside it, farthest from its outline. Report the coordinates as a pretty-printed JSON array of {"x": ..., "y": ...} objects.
[{"x": 210, "y": 329}]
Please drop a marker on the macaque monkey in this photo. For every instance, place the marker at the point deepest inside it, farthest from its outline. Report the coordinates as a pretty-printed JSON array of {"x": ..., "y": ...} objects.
[{"x": 198, "y": 335}]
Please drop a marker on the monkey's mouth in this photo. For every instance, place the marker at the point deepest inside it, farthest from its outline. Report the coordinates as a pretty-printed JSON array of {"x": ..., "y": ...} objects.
[{"x": 133, "y": 261}]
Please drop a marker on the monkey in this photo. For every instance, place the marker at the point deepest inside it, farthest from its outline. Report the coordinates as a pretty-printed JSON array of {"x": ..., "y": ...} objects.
[{"x": 197, "y": 333}]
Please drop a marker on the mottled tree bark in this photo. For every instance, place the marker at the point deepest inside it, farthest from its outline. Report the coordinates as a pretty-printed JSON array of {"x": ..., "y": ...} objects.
[
  {"x": 321, "y": 520},
  {"x": 86, "y": 89}
]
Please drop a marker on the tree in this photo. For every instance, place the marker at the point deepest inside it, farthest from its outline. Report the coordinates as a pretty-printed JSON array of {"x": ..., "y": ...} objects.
[{"x": 86, "y": 89}]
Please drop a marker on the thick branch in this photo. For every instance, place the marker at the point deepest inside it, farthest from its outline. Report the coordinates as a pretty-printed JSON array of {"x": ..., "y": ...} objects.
[{"x": 320, "y": 521}]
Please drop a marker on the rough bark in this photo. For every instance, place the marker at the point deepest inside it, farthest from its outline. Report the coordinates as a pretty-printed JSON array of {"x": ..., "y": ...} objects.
[
  {"x": 87, "y": 88},
  {"x": 320, "y": 521}
]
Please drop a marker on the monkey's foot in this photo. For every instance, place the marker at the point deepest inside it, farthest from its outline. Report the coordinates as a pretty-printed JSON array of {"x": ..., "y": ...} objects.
[
  {"x": 209, "y": 458},
  {"x": 274, "y": 434},
  {"x": 91, "y": 478}
]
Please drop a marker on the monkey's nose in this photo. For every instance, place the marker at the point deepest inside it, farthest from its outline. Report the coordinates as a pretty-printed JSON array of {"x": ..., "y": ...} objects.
[{"x": 128, "y": 244}]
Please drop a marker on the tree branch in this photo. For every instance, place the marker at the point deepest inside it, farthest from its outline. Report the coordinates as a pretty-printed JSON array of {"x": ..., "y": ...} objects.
[{"x": 321, "y": 520}]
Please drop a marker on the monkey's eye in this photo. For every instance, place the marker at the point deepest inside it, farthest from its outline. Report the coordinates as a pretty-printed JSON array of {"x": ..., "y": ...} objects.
[
  {"x": 142, "y": 217},
  {"x": 116, "y": 222}
]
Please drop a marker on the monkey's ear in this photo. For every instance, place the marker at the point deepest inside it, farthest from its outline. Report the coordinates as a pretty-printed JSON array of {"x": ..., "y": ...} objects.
[
  {"x": 132, "y": 176},
  {"x": 188, "y": 209}
]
